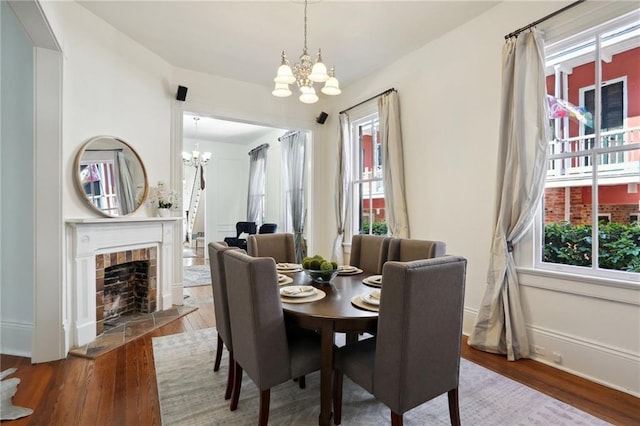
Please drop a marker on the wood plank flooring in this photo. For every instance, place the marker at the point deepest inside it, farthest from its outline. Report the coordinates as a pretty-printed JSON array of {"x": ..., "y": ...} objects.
[{"x": 119, "y": 388}]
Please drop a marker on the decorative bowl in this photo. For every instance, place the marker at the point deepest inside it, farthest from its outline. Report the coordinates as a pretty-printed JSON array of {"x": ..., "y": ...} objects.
[{"x": 320, "y": 276}]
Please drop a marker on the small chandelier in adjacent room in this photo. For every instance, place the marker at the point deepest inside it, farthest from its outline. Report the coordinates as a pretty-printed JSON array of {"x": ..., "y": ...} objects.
[
  {"x": 195, "y": 158},
  {"x": 305, "y": 73}
]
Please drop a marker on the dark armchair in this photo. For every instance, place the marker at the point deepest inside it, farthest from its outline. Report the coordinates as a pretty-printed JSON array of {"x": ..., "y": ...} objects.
[
  {"x": 268, "y": 228},
  {"x": 241, "y": 227}
]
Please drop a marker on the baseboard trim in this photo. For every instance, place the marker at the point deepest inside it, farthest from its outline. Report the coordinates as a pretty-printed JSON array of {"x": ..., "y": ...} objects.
[
  {"x": 16, "y": 338},
  {"x": 612, "y": 367}
]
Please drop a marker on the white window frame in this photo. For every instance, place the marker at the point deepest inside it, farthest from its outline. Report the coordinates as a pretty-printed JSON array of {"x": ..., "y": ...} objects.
[
  {"x": 532, "y": 252},
  {"x": 358, "y": 116}
]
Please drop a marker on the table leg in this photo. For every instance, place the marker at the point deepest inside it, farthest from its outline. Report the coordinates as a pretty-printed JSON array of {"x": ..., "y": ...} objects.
[{"x": 326, "y": 374}]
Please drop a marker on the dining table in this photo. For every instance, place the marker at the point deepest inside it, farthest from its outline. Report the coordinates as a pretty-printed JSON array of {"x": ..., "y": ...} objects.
[{"x": 333, "y": 313}]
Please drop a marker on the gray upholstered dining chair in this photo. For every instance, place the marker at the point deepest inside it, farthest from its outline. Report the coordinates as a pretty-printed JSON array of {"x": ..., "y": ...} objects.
[
  {"x": 221, "y": 308},
  {"x": 415, "y": 355},
  {"x": 369, "y": 252},
  {"x": 406, "y": 250},
  {"x": 262, "y": 346},
  {"x": 278, "y": 246}
]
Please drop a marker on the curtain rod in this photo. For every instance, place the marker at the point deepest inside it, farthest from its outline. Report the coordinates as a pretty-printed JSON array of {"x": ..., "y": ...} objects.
[
  {"x": 264, "y": 145},
  {"x": 287, "y": 133},
  {"x": 551, "y": 15},
  {"x": 367, "y": 100}
]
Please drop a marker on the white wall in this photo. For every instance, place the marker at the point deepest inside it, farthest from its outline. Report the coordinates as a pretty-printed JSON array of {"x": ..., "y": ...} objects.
[
  {"x": 17, "y": 269},
  {"x": 112, "y": 86},
  {"x": 449, "y": 96}
]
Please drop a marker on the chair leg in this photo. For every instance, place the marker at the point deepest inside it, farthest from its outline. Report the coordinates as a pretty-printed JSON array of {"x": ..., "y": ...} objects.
[
  {"x": 302, "y": 382},
  {"x": 454, "y": 407},
  {"x": 237, "y": 384},
  {"x": 232, "y": 364},
  {"x": 216, "y": 366},
  {"x": 396, "y": 419},
  {"x": 265, "y": 397},
  {"x": 337, "y": 397}
]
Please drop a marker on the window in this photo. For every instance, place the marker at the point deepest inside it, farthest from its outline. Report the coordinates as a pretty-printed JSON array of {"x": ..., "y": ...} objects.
[
  {"x": 594, "y": 156},
  {"x": 368, "y": 190}
]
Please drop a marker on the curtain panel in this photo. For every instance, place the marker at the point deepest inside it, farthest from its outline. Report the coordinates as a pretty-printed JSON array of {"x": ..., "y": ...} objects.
[
  {"x": 393, "y": 165},
  {"x": 257, "y": 183},
  {"x": 343, "y": 186},
  {"x": 522, "y": 162},
  {"x": 127, "y": 202},
  {"x": 293, "y": 160}
]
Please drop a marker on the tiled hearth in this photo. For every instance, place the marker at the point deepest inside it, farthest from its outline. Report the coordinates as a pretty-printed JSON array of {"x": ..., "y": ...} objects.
[{"x": 129, "y": 328}]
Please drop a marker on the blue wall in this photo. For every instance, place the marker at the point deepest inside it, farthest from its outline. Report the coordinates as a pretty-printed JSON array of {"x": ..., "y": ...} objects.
[{"x": 17, "y": 186}]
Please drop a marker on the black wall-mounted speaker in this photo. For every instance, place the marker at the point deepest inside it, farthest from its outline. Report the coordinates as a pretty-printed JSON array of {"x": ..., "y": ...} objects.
[
  {"x": 322, "y": 117},
  {"x": 182, "y": 93}
]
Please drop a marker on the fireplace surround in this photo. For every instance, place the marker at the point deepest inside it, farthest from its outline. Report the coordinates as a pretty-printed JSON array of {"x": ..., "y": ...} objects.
[{"x": 92, "y": 242}]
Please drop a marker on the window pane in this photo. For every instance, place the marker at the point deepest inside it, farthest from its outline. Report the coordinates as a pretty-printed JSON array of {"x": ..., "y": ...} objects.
[
  {"x": 618, "y": 202},
  {"x": 567, "y": 226},
  {"x": 367, "y": 164}
]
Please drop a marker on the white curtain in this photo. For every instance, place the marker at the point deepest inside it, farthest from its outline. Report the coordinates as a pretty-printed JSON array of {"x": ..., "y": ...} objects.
[
  {"x": 257, "y": 183},
  {"x": 293, "y": 160},
  {"x": 522, "y": 164},
  {"x": 343, "y": 186},
  {"x": 125, "y": 186},
  {"x": 393, "y": 164}
]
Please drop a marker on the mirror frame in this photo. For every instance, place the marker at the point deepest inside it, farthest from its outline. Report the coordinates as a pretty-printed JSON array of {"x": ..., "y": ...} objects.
[{"x": 78, "y": 183}]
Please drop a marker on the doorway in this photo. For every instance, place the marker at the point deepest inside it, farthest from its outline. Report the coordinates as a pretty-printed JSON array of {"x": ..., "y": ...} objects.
[{"x": 223, "y": 184}]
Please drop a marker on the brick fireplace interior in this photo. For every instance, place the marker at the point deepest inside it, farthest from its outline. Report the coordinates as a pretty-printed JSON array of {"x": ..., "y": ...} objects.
[{"x": 126, "y": 283}]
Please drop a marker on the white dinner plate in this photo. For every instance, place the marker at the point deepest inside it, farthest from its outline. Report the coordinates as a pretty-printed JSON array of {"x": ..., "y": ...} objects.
[
  {"x": 373, "y": 280},
  {"x": 368, "y": 298},
  {"x": 348, "y": 270},
  {"x": 298, "y": 291},
  {"x": 287, "y": 266},
  {"x": 357, "y": 301}
]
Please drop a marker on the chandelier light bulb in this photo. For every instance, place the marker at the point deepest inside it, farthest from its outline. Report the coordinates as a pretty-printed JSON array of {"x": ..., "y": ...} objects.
[
  {"x": 308, "y": 95},
  {"x": 332, "y": 86},
  {"x": 281, "y": 90},
  {"x": 319, "y": 71},
  {"x": 284, "y": 74}
]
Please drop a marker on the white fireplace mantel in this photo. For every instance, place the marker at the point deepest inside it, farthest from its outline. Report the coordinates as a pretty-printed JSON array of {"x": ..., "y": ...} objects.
[{"x": 88, "y": 237}]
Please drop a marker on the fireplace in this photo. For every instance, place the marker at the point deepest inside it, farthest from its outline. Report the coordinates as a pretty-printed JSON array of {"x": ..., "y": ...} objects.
[
  {"x": 125, "y": 284},
  {"x": 99, "y": 244}
]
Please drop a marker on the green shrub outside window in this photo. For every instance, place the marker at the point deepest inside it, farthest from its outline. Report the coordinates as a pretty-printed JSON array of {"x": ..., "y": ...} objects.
[
  {"x": 379, "y": 228},
  {"x": 619, "y": 245}
]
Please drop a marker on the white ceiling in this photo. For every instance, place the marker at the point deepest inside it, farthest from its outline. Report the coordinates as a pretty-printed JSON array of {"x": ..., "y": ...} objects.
[
  {"x": 215, "y": 130},
  {"x": 242, "y": 39}
]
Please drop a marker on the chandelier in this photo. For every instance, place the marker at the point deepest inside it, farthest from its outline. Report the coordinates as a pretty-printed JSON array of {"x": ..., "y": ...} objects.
[
  {"x": 195, "y": 158},
  {"x": 305, "y": 73}
]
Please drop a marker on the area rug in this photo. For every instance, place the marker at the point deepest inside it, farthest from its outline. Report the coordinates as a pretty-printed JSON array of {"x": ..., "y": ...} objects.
[
  {"x": 192, "y": 394},
  {"x": 196, "y": 275}
]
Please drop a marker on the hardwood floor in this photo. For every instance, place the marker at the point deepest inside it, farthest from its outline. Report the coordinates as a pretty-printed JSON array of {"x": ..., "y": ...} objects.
[{"x": 119, "y": 388}]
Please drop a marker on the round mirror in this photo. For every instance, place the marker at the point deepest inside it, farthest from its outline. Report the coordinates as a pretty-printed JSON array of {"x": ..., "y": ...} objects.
[{"x": 110, "y": 176}]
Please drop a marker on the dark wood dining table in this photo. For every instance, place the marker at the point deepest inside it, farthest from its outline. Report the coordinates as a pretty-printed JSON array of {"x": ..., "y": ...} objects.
[{"x": 333, "y": 314}]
